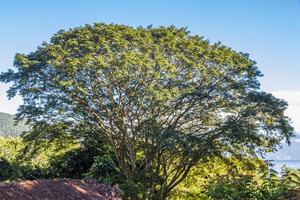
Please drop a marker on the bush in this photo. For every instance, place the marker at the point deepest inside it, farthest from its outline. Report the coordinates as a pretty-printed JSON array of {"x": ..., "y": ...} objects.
[
  {"x": 29, "y": 172},
  {"x": 291, "y": 177},
  {"x": 72, "y": 164},
  {"x": 5, "y": 170},
  {"x": 104, "y": 170},
  {"x": 266, "y": 187}
]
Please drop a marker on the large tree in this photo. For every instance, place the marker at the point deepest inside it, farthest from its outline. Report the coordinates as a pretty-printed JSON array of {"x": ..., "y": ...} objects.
[{"x": 163, "y": 99}]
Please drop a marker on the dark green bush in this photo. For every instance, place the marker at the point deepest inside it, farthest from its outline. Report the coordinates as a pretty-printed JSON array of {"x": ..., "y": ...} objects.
[
  {"x": 10, "y": 171},
  {"x": 104, "y": 170},
  {"x": 29, "y": 172},
  {"x": 6, "y": 170},
  {"x": 73, "y": 164}
]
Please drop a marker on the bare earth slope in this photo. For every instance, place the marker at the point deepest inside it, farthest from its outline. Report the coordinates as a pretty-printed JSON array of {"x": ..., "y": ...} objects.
[{"x": 57, "y": 189}]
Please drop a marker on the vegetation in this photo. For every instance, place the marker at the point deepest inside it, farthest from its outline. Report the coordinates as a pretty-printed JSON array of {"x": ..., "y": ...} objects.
[
  {"x": 154, "y": 105},
  {"x": 217, "y": 179},
  {"x": 23, "y": 164},
  {"x": 205, "y": 180},
  {"x": 292, "y": 176},
  {"x": 8, "y": 126},
  {"x": 248, "y": 187}
]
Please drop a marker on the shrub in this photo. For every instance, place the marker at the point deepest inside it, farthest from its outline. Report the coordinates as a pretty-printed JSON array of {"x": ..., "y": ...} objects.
[
  {"x": 72, "y": 164},
  {"x": 266, "y": 187},
  {"x": 5, "y": 170},
  {"x": 104, "y": 170}
]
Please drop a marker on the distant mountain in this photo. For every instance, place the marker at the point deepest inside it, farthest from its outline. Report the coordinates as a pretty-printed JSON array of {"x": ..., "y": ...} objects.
[
  {"x": 8, "y": 127},
  {"x": 287, "y": 152}
]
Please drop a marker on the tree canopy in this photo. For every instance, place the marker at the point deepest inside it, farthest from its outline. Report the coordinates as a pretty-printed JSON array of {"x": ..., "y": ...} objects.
[{"x": 162, "y": 98}]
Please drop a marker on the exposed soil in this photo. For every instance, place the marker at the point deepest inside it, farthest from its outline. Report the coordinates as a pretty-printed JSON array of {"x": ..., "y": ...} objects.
[
  {"x": 58, "y": 189},
  {"x": 293, "y": 195}
]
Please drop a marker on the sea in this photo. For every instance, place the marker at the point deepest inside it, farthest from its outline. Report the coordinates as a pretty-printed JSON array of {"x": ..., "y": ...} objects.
[{"x": 278, "y": 164}]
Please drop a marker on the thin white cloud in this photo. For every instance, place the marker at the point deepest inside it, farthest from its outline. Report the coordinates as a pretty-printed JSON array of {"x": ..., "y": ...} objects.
[
  {"x": 293, "y": 111},
  {"x": 6, "y": 105},
  {"x": 296, "y": 140}
]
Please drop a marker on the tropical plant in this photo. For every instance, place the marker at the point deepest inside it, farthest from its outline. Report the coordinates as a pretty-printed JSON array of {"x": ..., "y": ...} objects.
[
  {"x": 292, "y": 177},
  {"x": 263, "y": 186}
]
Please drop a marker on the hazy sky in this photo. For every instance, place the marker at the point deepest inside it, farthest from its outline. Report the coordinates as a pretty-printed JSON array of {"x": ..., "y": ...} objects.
[{"x": 268, "y": 30}]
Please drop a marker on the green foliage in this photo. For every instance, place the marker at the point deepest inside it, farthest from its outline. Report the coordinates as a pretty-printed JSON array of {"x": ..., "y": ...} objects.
[
  {"x": 292, "y": 177},
  {"x": 162, "y": 99},
  {"x": 5, "y": 169},
  {"x": 13, "y": 167},
  {"x": 21, "y": 163},
  {"x": 8, "y": 126},
  {"x": 133, "y": 190},
  {"x": 11, "y": 148},
  {"x": 104, "y": 170},
  {"x": 205, "y": 174},
  {"x": 72, "y": 164},
  {"x": 262, "y": 187},
  {"x": 27, "y": 171},
  {"x": 228, "y": 179}
]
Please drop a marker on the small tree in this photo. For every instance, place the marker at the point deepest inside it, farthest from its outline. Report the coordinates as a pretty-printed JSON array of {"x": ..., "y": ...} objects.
[{"x": 163, "y": 99}]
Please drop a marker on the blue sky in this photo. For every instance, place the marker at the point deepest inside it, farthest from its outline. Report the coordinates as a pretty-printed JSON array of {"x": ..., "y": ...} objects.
[{"x": 268, "y": 30}]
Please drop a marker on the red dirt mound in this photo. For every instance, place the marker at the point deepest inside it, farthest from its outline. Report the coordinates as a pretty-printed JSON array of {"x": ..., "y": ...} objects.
[{"x": 57, "y": 189}]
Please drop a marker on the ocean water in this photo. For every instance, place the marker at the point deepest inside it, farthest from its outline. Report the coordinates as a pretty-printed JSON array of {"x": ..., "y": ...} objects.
[{"x": 278, "y": 164}]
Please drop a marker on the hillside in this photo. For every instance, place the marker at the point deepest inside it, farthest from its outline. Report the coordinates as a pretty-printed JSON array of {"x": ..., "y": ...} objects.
[{"x": 8, "y": 127}]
